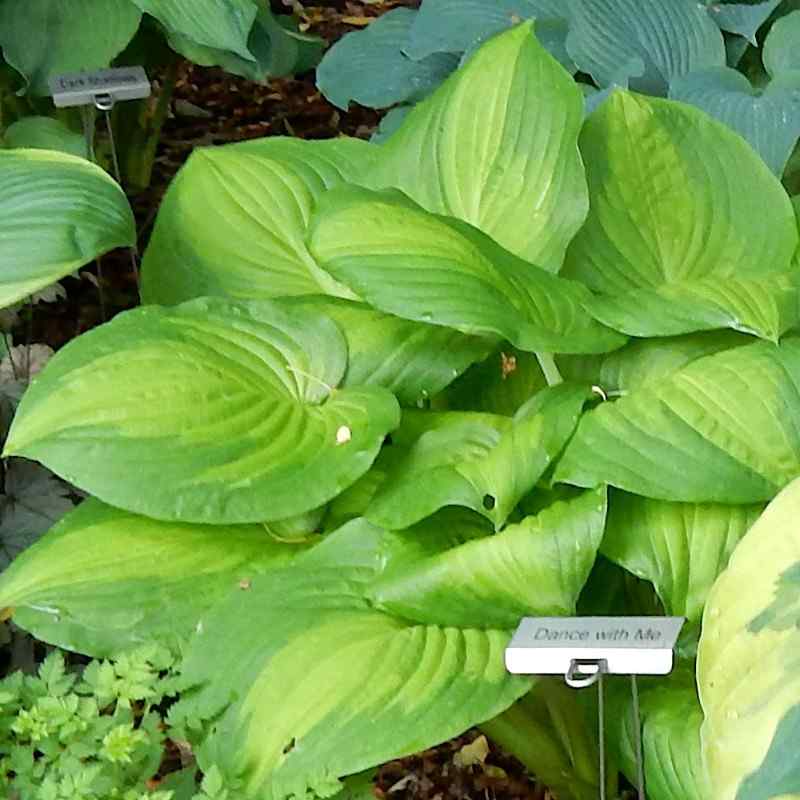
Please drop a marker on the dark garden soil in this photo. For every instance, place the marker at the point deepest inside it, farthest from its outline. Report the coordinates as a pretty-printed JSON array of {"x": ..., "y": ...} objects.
[{"x": 210, "y": 107}]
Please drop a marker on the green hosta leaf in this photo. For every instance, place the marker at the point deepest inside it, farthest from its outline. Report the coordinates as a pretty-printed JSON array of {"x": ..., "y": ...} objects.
[
  {"x": 483, "y": 462},
  {"x": 768, "y": 119},
  {"x": 724, "y": 429},
  {"x": 44, "y": 133},
  {"x": 413, "y": 360},
  {"x": 371, "y": 67},
  {"x": 456, "y": 26},
  {"x": 551, "y": 730},
  {"x": 741, "y": 18},
  {"x": 646, "y": 362},
  {"x": 247, "y": 240},
  {"x": 436, "y": 269},
  {"x": 671, "y": 718},
  {"x": 104, "y": 580},
  {"x": 499, "y": 385},
  {"x": 535, "y": 568},
  {"x": 399, "y": 687},
  {"x": 224, "y": 26},
  {"x": 642, "y": 43},
  {"x": 212, "y": 411},
  {"x": 688, "y": 229},
  {"x": 781, "y": 52},
  {"x": 751, "y": 628},
  {"x": 277, "y": 50},
  {"x": 496, "y": 146},
  {"x": 680, "y": 548},
  {"x": 42, "y": 38},
  {"x": 57, "y": 212}
]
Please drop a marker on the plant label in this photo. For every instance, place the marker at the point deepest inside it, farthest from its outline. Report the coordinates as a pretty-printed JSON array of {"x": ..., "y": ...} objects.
[
  {"x": 82, "y": 88},
  {"x": 628, "y": 645}
]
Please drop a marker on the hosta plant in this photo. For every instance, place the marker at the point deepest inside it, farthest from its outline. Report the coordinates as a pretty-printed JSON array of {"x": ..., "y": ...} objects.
[
  {"x": 727, "y": 58},
  {"x": 383, "y": 401},
  {"x": 40, "y": 39}
]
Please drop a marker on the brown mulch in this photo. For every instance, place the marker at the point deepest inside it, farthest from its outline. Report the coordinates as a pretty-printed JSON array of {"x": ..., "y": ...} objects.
[{"x": 435, "y": 774}]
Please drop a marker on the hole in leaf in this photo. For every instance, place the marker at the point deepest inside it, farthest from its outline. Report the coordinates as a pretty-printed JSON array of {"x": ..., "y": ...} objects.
[
  {"x": 488, "y": 502},
  {"x": 290, "y": 746}
]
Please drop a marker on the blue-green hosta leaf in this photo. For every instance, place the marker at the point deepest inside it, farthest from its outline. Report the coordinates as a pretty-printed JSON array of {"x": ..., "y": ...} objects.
[
  {"x": 768, "y": 119},
  {"x": 742, "y": 19},
  {"x": 57, "y": 213},
  {"x": 671, "y": 718},
  {"x": 483, "y": 462},
  {"x": 645, "y": 362},
  {"x": 724, "y": 429},
  {"x": 247, "y": 238},
  {"x": 499, "y": 385},
  {"x": 496, "y": 146},
  {"x": 321, "y": 659},
  {"x": 371, "y": 67},
  {"x": 224, "y": 26},
  {"x": 42, "y": 38},
  {"x": 747, "y": 662},
  {"x": 535, "y": 568},
  {"x": 104, "y": 580},
  {"x": 688, "y": 229},
  {"x": 44, "y": 133},
  {"x": 781, "y": 53},
  {"x": 390, "y": 123},
  {"x": 430, "y": 268},
  {"x": 679, "y": 547},
  {"x": 458, "y": 26},
  {"x": 643, "y": 44},
  {"x": 415, "y": 361},
  {"x": 240, "y": 422}
]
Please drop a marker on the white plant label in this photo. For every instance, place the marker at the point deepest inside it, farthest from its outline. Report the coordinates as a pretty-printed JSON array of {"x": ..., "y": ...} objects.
[
  {"x": 81, "y": 88},
  {"x": 628, "y": 645}
]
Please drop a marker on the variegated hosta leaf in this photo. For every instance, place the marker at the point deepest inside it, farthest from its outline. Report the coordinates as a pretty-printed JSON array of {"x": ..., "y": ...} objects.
[
  {"x": 724, "y": 429},
  {"x": 496, "y": 146},
  {"x": 224, "y": 26},
  {"x": 484, "y": 462},
  {"x": 671, "y": 717},
  {"x": 436, "y": 269},
  {"x": 535, "y": 568},
  {"x": 371, "y": 66},
  {"x": 322, "y": 659},
  {"x": 645, "y": 362},
  {"x": 212, "y": 411},
  {"x": 642, "y": 43},
  {"x": 769, "y": 119},
  {"x": 247, "y": 238},
  {"x": 57, "y": 213},
  {"x": 680, "y": 548},
  {"x": 458, "y": 26},
  {"x": 747, "y": 662},
  {"x": 103, "y": 580},
  {"x": 43, "y": 38},
  {"x": 688, "y": 229},
  {"x": 414, "y": 360}
]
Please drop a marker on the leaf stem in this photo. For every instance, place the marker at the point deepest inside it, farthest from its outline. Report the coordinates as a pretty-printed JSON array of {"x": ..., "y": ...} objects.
[{"x": 549, "y": 368}]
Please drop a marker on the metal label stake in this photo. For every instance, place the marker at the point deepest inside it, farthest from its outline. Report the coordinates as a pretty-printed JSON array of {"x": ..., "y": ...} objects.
[
  {"x": 102, "y": 89},
  {"x": 586, "y": 649}
]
